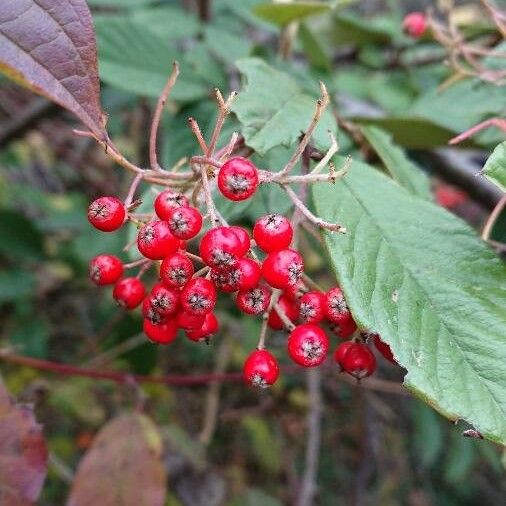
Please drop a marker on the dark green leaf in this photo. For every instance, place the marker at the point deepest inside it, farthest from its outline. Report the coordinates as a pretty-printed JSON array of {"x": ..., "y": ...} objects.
[
  {"x": 284, "y": 13},
  {"x": 352, "y": 29},
  {"x": 495, "y": 167},
  {"x": 16, "y": 285},
  {"x": 314, "y": 48},
  {"x": 434, "y": 291},
  {"x": 31, "y": 337},
  {"x": 168, "y": 22},
  {"x": 20, "y": 240},
  {"x": 400, "y": 168},
  {"x": 428, "y": 434}
]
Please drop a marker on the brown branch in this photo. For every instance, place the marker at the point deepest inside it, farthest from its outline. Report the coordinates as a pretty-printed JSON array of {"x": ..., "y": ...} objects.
[{"x": 492, "y": 122}]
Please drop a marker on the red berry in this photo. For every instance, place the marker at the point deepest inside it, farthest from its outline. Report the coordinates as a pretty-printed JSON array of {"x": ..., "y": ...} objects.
[
  {"x": 272, "y": 232},
  {"x": 238, "y": 179},
  {"x": 155, "y": 240},
  {"x": 359, "y": 361},
  {"x": 189, "y": 321},
  {"x": 220, "y": 248},
  {"x": 341, "y": 351},
  {"x": 198, "y": 296},
  {"x": 254, "y": 301},
  {"x": 209, "y": 327},
  {"x": 243, "y": 277},
  {"x": 383, "y": 348},
  {"x": 414, "y": 24},
  {"x": 336, "y": 309},
  {"x": 226, "y": 281},
  {"x": 149, "y": 313},
  {"x": 107, "y": 213},
  {"x": 261, "y": 369},
  {"x": 162, "y": 333},
  {"x": 105, "y": 269},
  {"x": 244, "y": 240},
  {"x": 185, "y": 222},
  {"x": 129, "y": 292},
  {"x": 282, "y": 269},
  {"x": 176, "y": 270},
  {"x": 296, "y": 291},
  {"x": 290, "y": 310},
  {"x": 312, "y": 307},
  {"x": 163, "y": 300},
  {"x": 168, "y": 200},
  {"x": 308, "y": 345},
  {"x": 345, "y": 329}
]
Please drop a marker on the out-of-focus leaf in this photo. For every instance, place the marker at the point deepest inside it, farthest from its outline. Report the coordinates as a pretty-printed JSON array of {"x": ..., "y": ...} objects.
[
  {"x": 428, "y": 434},
  {"x": 273, "y": 110},
  {"x": 49, "y": 46},
  {"x": 403, "y": 170},
  {"x": 16, "y": 284},
  {"x": 314, "y": 49},
  {"x": 459, "y": 459},
  {"x": 31, "y": 336},
  {"x": 181, "y": 442},
  {"x": 168, "y": 22},
  {"x": 20, "y": 240},
  {"x": 263, "y": 443},
  {"x": 23, "y": 453},
  {"x": 420, "y": 276},
  {"x": 495, "y": 167},
  {"x": 284, "y": 13},
  {"x": 352, "y": 29},
  {"x": 255, "y": 497},
  {"x": 227, "y": 45},
  {"x": 120, "y": 3},
  {"x": 123, "y": 466}
]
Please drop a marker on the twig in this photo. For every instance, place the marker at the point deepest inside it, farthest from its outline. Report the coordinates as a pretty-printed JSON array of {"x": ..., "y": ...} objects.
[
  {"x": 223, "y": 110},
  {"x": 265, "y": 317},
  {"x": 133, "y": 187},
  {"x": 114, "y": 352},
  {"x": 211, "y": 209},
  {"x": 153, "y": 159},
  {"x": 198, "y": 134},
  {"x": 492, "y": 122},
  {"x": 489, "y": 224}
]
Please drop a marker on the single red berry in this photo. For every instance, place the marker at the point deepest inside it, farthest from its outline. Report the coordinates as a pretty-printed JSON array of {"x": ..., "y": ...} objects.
[
  {"x": 238, "y": 179},
  {"x": 105, "y": 269},
  {"x": 254, "y": 301},
  {"x": 243, "y": 277},
  {"x": 312, "y": 307},
  {"x": 162, "y": 333},
  {"x": 149, "y": 313},
  {"x": 295, "y": 292},
  {"x": 129, "y": 292},
  {"x": 176, "y": 270},
  {"x": 359, "y": 361},
  {"x": 308, "y": 345},
  {"x": 107, "y": 213},
  {"x": 204, "y": 333},
  {"x": 185, "y": 222},
  {"x": 155, "y": 240},
  {"x": 189, "y": 321},
  {"x": 198, "y": 296},
  {"x": 336, "y": 309},
  {"x": 226, "y": 280},
  {"x": 383, "y": 348},
  {"x": 272, "y": 232},
  {"x": 220, "y": 248},
  {"x": 244, "y": 240},
  {"x": 345, "y": 329},
  {"x": 282, "y": 269},
  {"x": 414, "y": 24},
  {"x": 340, "y": 353},
  {"x": 168, "y": 200},
  {"x": 261, "y": 369},
  {"x": 164, "y": 300},
  {"x": 288, "y": 307}
]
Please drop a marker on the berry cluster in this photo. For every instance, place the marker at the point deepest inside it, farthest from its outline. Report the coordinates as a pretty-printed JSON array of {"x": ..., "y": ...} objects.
[{"x": 274, "y": 287}]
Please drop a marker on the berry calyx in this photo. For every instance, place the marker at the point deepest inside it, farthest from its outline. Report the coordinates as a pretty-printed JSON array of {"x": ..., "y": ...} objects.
[
  {"x": 308, "y": 345},
  {"x": 261, "y": 369},
  {"x": 189, "y": 321},
  {"x": 290, "y": 310},
  {"x": 168, "y": 200},
  {"x": 107, "y": 214},
  {"x": 414, "y": 24},
  {"x": 105, "y": 269},
  {"x": 204, "y": 333},
  {"x": 220, "y": 248},
  {"x": 273, "y": 232},
  {"x": 129, "y": 292},
  {"x": 383, "y": 348},
  {"x": 282, "y": 269},
  {"x": 162, "y": 333},
  {"x": 176, "y": 270},
  {"x": 312, "y": 307},
  {"x": 184, "y": 222},
  {"x": 340, "y": 353},
  {"x": 198, "y": 297},
  {"x": 238, "y": 179},
  {"x": 149, "y": 313},
  {"x": 155, "y": 240},
  {"x": 336, "y": 309},
  {"x": 359, "y": 361},
  {"x": 254, "y": 301},
  {"x": 163, "y": 300}
]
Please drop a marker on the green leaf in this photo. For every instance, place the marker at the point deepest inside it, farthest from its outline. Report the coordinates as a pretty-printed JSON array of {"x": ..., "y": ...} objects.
[
  {"x": 228, "y": 46},
  {"x": 352, "y": 29},
  {"x": 273, "y": 110},
  {"x": 284, "y": 13},
  {"x": 31, "y": 336},
  {"x": 495, "y": 167},
  {"x": 434, "y": 291},
  {"x": 16, "y": 285},
  {"x": 314, "y": 48},
  {"x": 400, "y": 168},
  {"x": 20, "y": 239},
  {"x": 460, "y": 458},
  {"x": 428, "y": 434}
]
